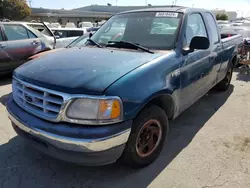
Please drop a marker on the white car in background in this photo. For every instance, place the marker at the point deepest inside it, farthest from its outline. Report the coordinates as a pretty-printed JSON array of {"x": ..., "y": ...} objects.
[
  {"x": 85, "y": 25},
  {"x": 63, "y": 36},
  {"x": 54, "y": 25},
  {"x": 66, "y": 35},
  {"x": 70, "y": 25}
]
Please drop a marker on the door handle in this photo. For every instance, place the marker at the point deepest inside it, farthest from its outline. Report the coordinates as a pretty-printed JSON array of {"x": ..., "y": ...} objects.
[{"x": 35, "y": 42}]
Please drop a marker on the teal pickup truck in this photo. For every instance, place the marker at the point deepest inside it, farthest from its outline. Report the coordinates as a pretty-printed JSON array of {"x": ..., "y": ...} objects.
[{"x": 113, "y": 97}]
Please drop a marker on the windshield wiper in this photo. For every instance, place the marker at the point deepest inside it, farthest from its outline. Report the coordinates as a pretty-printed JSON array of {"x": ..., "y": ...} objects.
[
  {"x": 95, "y": 43},
  {"x": 126, "y": 43}
]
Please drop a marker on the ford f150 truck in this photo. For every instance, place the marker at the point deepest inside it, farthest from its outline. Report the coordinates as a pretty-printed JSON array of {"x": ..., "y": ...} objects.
[{"x": 113, "y": 98}]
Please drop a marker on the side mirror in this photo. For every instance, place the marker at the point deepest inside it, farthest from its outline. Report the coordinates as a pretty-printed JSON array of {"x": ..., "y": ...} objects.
[
  {"x": 198, "y": 43},
  {"x": 90, "y": 35},
  {"x": 57, "y": 37}
]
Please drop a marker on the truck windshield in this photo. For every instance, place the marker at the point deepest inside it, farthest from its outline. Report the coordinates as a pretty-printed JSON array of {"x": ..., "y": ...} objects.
[{"x": 152, "y": 30}]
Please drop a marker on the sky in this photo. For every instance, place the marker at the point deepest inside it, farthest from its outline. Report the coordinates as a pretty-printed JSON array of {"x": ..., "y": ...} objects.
[{"x": 242, "y": 5}]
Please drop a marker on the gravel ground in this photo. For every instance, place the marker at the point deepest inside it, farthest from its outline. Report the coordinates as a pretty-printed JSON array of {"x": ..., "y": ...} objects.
[{"x": 208, "y": 146}]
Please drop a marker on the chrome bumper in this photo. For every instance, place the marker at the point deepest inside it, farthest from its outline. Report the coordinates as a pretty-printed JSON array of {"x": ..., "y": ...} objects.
[{"x": 74, "y": 144}]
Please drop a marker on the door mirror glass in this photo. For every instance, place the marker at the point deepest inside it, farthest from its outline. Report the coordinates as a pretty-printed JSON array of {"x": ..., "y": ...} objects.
[{"x": 199, "y": 43}]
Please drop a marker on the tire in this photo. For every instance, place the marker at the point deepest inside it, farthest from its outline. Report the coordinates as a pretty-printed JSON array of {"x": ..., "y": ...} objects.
[
  {"x": 152, "y": 117},
  {"x": 224, "y": 84}
]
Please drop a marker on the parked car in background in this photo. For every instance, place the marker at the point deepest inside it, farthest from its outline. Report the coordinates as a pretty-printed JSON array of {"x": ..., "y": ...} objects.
[
  {"x": 64, "y": 36},
  {"x": 85, "y": 26},
  {"x": 234, "y": 30},
  {"x": 221, "y": 26},
  {"x": 70, "y": 25},
  {"x": 79, "y": 42},
  {"x": 68, "y": 35},
  {"x": 54, "y": 25},
  {"x": 113, "y": 98},
  {"x": 67, "y": 32},
  {"x": 18, "y": 42}
]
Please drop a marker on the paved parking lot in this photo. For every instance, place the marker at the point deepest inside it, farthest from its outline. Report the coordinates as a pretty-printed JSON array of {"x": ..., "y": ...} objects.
[{"x": 208, "y": 146}]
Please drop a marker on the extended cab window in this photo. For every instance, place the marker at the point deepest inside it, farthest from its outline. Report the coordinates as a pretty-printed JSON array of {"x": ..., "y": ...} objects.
[
  {"x": 15, "y": 32},
  {"x": 153, "y": 30},
  {"x": 195, "y": 27},
  {"x": 213, "y": 28}
]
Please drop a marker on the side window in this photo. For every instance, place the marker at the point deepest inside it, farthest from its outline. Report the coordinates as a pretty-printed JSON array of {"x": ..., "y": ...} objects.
[
  {"x": 31, "y": 35},
  {"x": 195, "y": 27},
  {"x": 213, "y": 28},
  {"x": 75, "y": 33},
  {"x": 15, "y": 32},
  {"x": 61, "y": 34}
]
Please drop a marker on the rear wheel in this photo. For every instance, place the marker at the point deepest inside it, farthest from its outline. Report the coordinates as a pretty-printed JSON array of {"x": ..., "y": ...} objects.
[
  {"x": 147, "y": 137},
  {"x": 225, "y": 83}
]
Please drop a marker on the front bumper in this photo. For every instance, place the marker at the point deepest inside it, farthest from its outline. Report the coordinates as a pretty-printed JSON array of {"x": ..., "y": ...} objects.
[{"x": 94, "y": 145}]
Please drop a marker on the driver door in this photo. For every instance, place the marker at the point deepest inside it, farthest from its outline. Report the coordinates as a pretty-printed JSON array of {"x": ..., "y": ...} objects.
[
  {"x": 19, "y": 44},
  {"x": 196, "y": 66}
]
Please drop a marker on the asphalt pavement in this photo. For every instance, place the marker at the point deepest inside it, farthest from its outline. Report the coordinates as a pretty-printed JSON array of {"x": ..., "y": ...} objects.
[{"x": 208, "y": 146}]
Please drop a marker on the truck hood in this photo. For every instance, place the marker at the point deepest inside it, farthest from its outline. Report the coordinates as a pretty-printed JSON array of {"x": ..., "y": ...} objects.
[{"x": 81, "y": 71}]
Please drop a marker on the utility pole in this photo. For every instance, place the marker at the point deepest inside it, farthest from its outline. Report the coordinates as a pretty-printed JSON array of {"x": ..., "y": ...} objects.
[
  {"x": 146, "y": 1},
  {"x": 175, "y": 2}
]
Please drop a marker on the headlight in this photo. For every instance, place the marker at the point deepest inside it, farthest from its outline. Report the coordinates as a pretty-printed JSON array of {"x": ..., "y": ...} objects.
[{"x": 95, "y": 111}]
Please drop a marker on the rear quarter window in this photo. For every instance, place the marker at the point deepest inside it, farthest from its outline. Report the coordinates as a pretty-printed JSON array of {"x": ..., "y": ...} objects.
[{"x": 213, "y": 34}]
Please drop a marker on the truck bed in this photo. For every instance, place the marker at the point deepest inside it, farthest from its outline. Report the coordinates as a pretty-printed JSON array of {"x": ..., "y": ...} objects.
[{"x": 231, "y": 40}]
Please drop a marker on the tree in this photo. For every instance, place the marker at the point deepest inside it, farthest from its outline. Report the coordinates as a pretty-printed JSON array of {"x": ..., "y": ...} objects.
[
  {"x": 14, "y": 9},
  {"x": 221, "y": 17}
]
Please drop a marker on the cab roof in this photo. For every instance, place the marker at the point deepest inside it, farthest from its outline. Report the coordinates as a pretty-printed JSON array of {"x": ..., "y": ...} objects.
[{"x": 179, "y": 9}]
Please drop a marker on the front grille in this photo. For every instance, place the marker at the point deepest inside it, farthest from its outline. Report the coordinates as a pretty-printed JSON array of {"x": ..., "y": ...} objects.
[{"x": 36, "y": 100}]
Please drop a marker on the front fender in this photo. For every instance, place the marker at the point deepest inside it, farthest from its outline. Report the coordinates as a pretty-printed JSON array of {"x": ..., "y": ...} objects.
[{"x": 139, "y": 87}]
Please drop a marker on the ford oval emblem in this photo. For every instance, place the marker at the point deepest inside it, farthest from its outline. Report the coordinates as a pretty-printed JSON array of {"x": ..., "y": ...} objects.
[{"x": 28, "y": 98}]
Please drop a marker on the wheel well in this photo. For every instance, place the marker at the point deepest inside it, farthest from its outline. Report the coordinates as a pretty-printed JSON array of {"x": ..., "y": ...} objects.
[
  {"x": 234, "y": 60},
  {"x": 166, "y": 103}
]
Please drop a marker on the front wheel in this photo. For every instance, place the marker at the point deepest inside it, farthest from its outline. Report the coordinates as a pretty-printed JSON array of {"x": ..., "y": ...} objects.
[
  {"x": 224, "y": 84},
  {"x": 147, "y": 137}
]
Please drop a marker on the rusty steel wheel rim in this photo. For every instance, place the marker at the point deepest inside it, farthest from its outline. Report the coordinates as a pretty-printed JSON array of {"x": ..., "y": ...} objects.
[{"x": 148, "y": 138}]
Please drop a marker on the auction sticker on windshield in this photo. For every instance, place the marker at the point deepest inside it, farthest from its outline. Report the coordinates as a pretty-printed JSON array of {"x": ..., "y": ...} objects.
[{"x": 167, "y": 14}]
